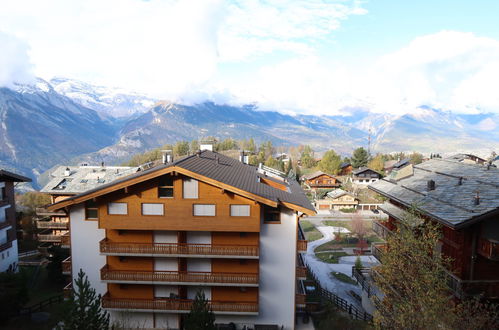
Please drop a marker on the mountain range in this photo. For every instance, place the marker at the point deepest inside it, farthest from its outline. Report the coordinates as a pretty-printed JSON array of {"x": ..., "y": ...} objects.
[{"x": 68, "y": 121}]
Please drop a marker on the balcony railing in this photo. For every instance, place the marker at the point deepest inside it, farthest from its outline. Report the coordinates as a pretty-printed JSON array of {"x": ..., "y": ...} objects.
[
  {"x": 362, "y": 275},
  {"x": 5, "y": 246},
  {"x": 68, "y": 290},
  {"x": 380, "y": 229},
  {"x": 46, "y": 237},
  {"x": 378, "y": 249},
  {"x": 40, "y": 224},
  {"x": 301, "y": 273},
  {"x": 300, "y": 299},
  {"x": 66, "y": 241},
  {"x": 179, "y": 249},
  {"x": 42, "y": 212},
  {"x": 302, "y": 246},
  {"x": 66, "y": 266},
  {"x": 462, "y": 288},
  {"x": 179, "y": 277},
  {"x": 177, "y": 305},
  {"x": 488, "y": 248}
]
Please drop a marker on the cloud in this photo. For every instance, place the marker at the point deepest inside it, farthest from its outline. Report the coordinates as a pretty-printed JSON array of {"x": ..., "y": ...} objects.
[{"x": 14, "y": 61}]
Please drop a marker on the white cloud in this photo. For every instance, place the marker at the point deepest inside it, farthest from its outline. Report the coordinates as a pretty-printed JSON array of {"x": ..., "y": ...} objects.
[{"x": 15, "y": 66}]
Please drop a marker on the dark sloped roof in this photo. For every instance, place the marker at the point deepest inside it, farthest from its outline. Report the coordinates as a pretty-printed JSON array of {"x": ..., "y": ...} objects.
[
  {"x": 449, "y": 203},
  {"x": 230, "y": 172},
  {"x": 364, "y": 169},
  {"x": 343, "y": 165},
  {"x": 401, "y": 163},
  {"x": 315, "y": 174},
  {"x": 10, "y": 176}
]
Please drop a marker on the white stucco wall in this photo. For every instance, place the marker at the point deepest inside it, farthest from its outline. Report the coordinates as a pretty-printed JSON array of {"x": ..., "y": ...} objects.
[
  {"x": 277, "y": 275},
  {"x": 9, "y": 256},
  {"x": 85, "y": 248}
]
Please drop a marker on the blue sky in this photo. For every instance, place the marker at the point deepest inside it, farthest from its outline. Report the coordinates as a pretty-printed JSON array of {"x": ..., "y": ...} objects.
[{"x": 308, "y": 56}]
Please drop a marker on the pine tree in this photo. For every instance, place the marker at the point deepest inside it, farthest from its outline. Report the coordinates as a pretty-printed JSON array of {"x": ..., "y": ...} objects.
[
  {"x": 360, "y": 157},
  {"x": 201, "y": 316},
  {"x": 84, "y": 311}
]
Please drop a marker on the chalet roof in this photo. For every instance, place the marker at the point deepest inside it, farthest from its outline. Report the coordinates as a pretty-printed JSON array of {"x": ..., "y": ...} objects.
[
  {"x": 362, "y": 170},
  {"x": 336, "y": 193},
  {"x": 450, "y": 202},
  {"x": 11, "y": 176},
  {"x": 401, "y": 163},
  {"x": 389, "y": 164},
  {"x": 346, "y": 164},
  {"x": 315, "y": 174},
  {"x": 219, "y": 168},
  {"x": 83, "y": 178}
]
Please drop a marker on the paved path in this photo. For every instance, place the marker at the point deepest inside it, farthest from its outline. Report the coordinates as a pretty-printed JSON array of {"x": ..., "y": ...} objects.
[{"x": 323, "y": 270}]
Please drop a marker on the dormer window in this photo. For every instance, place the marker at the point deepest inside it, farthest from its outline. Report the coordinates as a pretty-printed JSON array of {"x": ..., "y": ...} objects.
[{"x": 165, "y": 188}]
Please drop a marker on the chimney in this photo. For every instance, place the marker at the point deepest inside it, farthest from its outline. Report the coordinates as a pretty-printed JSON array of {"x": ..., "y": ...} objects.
[
  {"x": 67, "y": 172},
  {"x": 102, "y": 164},
  {"x": 241, "y": 156},
  {"x": 166, "y": 156},
  {"x": 477, "y": 198},
  {"x": 206, "y": 145},
  {"x": 430, "y": 185},
  {"x": 460, "y": 182},
  {"x": 488, "y": 166}
]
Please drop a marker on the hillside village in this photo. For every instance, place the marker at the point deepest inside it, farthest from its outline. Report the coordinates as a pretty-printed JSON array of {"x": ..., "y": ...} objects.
[{"x": 148, "y": 261}]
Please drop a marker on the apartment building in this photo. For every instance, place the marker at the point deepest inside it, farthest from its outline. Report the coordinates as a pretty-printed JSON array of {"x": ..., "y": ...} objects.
[
  {"x": 8, "y": 239},
  {"x": 464, "y": 198},
  {"x": 206, "y": 222},
  {"x": 67, "y": 181}
]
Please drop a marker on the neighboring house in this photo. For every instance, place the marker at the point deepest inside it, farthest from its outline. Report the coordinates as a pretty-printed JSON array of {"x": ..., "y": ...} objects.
[
  {"x": 468, "y": 159},
  {"x": 388, "y": 166},
  {"x": 321, "y": 180},
  {"x": 464, "y": 199},
  {"x": 205, "y": 222},
  {"x": 8, "y": 241},
  {"x": 67, "y": 181},
  {"x": 345, "y": 169},
  {"x": 336, "y": 200},
  {"x": 365, "y": 176}
]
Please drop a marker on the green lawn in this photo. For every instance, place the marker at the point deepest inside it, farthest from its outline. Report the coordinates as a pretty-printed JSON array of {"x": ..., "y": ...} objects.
[
  {"x": 333, "y": 245},
  {"x": 330, "y": 257},
  {"x": 311, "y": 233},
  {"x": 344, "y": 278}
]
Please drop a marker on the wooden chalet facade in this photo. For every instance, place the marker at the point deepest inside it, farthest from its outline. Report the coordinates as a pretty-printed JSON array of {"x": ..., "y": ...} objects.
[
  {"x": 206, "y": 222},
  {"x": 365, "y": 176},
  {"x": 463, "y": 198},
  {"x": 345, "y": 169},
  {"x": 8, "y": 237},
  {"x": 321, "y": 180}
]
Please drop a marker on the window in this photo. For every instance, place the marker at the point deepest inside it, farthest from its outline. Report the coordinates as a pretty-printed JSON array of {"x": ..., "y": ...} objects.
[
  {"x": 204, "y": 210},
  {"x": 271, "y": 215},
  {"x": 117, "y": 208},
  {"x": 165, "y": 188},
  {"x": 91, "y": 210},
  {"x": 239, "y": 210},
  {"x": 153, "y": 209},
  {"x": 3, "y": 194},
  {"x": 190, "y": 188}
]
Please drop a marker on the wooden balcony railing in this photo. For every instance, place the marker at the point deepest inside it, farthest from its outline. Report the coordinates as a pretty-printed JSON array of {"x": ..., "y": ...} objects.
[
  {"x": 302, "y": 246},
  {"x": 301, "y": 299},
  {"x": 40, "y": 224},
  {"x": 380, "y": 229},
  {"x": 488, "y": 248},
  {"x": 179, "y": 277},
  {"x": 301, "y": 273},
  {"x": 42, "y": 212},
  {"x": 378, "y": 249},
  {"x": 49, "y": 237},
  {"x": 177, "y": 305},
  {"x": 178, "y": 249},
  {"x": 68, "y": 290},
  {"x": 66, "y": 241},
  {"x": 66, "y": 266}
]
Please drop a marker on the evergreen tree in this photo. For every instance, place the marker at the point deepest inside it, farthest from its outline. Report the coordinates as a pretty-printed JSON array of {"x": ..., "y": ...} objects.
[
  {"x": 201, "y": 316},
  {"x": 84, "y": 311},
  {"x": 307, "y": 157},
  {"x": 359, "y": 157}
]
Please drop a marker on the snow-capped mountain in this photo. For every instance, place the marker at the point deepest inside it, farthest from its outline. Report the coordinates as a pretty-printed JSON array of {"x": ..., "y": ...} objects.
[{"x": 113, "y": 102}]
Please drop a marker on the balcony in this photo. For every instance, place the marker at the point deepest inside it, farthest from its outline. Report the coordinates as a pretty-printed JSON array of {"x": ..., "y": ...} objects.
[
  {"x": 66, "y": 266},
  {"x": 41, "y": 224},
  {"x": 43, "y": 212},
  {"x": 301, "y": 269},
  {"x": 179, "y": 278},
  {"x": 378, "y": 249},
  {"x": 5, "y": 246},
  {"x": 66, "y": 241},
  {"x": 177, "y": 306},
  {"x": 300, "y": 300},
  {"x": 463, "y": 288},
  {"x": 301, "y": 242},
  {"x": 380, "y": 228},
  {"x": 488, "y": 248},
  {"x": 179, "y": 250},
  {"x": 49, "y": 236},
  {"x": 68, "y": 290}
]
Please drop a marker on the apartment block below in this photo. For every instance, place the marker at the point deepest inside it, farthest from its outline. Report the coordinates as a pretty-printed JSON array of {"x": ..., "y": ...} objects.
[{"x": 151, "y": 240}]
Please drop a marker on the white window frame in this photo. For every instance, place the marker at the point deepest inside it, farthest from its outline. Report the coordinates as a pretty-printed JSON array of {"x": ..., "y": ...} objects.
[
  {"x": 118, "y": 208},
  {"x": 240, "y": 210},
  {"x": 204, "y": 210},
  {"x": 151, "y": 211},
  {"x": 190, "y": 188}
]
